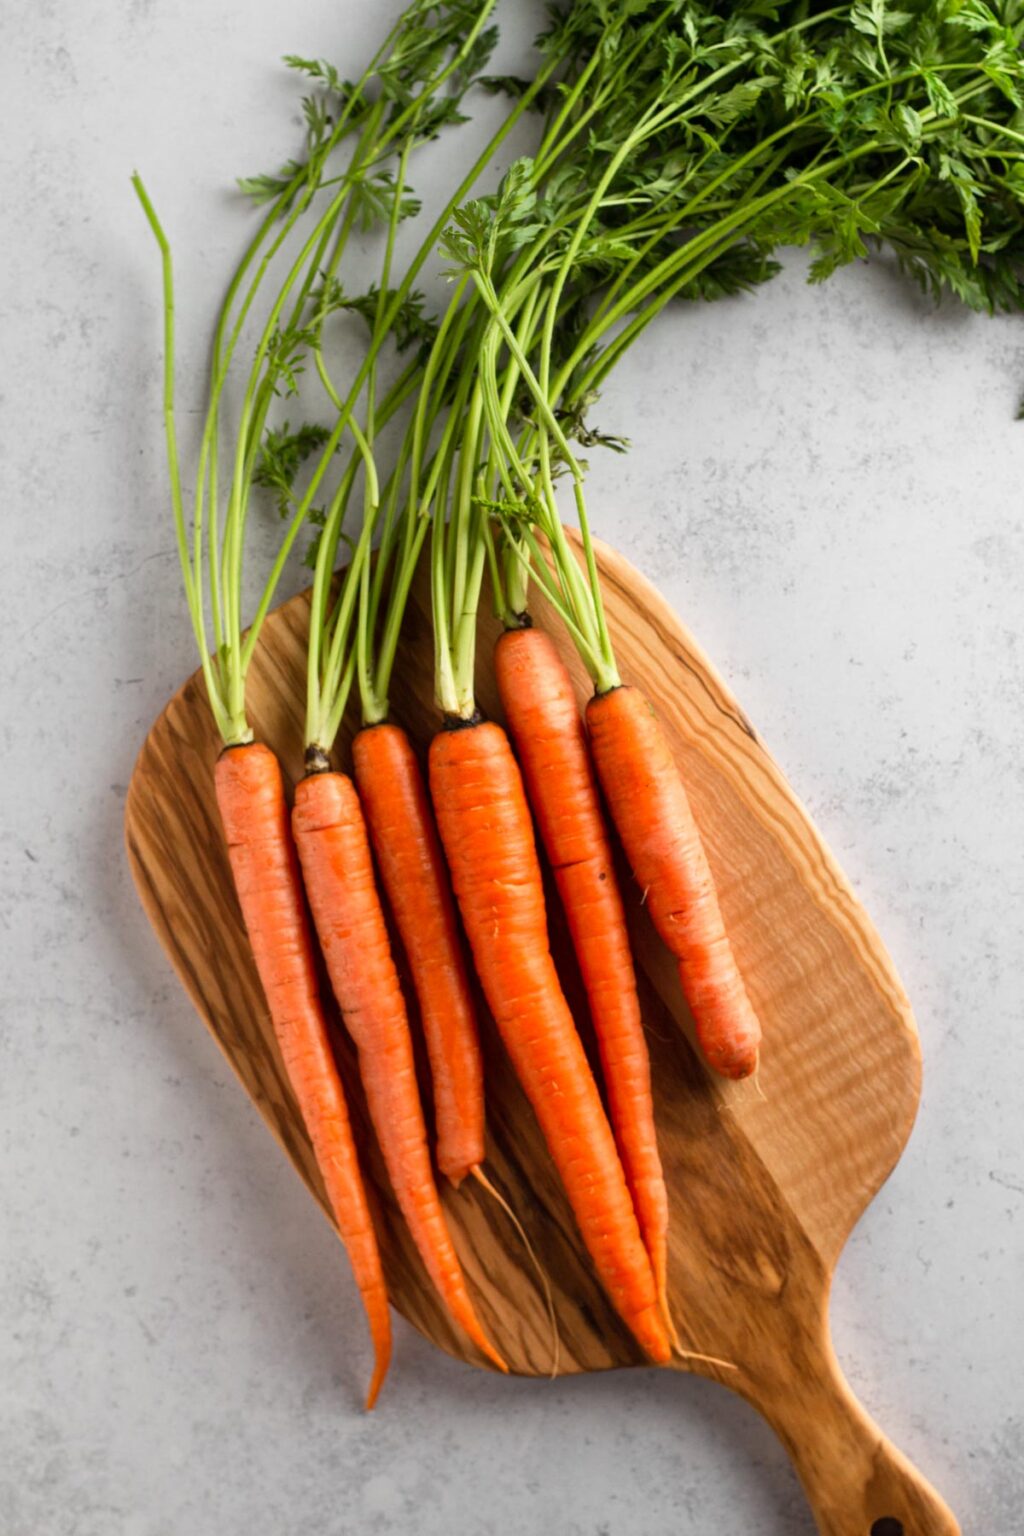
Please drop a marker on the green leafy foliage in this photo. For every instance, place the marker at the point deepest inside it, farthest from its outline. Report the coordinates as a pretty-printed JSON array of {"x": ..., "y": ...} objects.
[
  {"x": 324, "y": 73},
  {"x": 268, "y": 187},
  {"x": 410, "y": 325},
  {"x": 680, "y": 145},
  {"x": 374, "y": 198},
  {"x": 424, "y": 39},
  {"x": 685, "y": 144},
  {"x": 731, "y": 131},
  {"x": 282, "y": 454}
]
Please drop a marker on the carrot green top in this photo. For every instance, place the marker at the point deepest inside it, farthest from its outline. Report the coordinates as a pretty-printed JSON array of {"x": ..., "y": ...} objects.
[
  {"x": 727, "y": 134},
  {"x": 678, "y": 146},
  {"x": 409, "y": 91}
]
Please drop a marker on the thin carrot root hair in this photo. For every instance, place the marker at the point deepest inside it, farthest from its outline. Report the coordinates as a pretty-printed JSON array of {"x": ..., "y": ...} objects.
[
  {"x": 666, "y": 1312},
  {"x": 692, "y": 1354},
  {"x": 755, "y": 1082},
  {"x": 549, "y": 1301}
]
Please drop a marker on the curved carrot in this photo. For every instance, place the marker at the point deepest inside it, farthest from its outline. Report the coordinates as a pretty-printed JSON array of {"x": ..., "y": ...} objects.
[
  {"x": 335, "y": 853},
  {"x": 413, "y": 873},
  {"x": 547, "y": 731},
  {"x": 487, "y": 834},
  {"x": 250, "y": 795},
  {"x": 651, "y": 810}
]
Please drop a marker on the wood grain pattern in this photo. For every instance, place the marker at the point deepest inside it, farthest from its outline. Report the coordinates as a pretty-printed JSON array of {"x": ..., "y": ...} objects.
[{"x": 764, "y": 1189}]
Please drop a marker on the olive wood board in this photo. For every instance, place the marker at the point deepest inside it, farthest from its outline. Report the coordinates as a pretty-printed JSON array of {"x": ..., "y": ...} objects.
[{"x": 765, "y": 1178}]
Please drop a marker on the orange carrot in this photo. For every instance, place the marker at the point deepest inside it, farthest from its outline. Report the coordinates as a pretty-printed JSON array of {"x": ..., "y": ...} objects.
[
  {"x": 250, "y": 795},
  {"x": 547, "y": 731},
  {"x": 487, "y": 834},
  {"x": 334, "y": 850},
  {"x": 651, "y": 810},
  {"x": 413, "y": 873}
]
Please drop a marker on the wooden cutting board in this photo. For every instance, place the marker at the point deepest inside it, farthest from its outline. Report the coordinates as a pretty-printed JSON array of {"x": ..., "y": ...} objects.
[{"x": 765, "y": 1179}]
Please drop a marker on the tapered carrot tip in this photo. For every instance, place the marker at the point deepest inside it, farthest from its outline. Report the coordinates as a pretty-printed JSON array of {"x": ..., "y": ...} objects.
[
  {"x": 484, "y": 1344},
  {"x": 380, "y": 1333},
  {"x": 380, "y": 1370},
  {"x": 651, "y": 1331}
]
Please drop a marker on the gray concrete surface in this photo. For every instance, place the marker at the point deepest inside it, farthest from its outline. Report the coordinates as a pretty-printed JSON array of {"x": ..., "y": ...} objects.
[{"x": 827, "y": 484}]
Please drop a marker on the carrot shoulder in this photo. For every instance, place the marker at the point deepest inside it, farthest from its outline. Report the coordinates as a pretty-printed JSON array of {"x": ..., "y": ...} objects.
[
  {"x": 415, "y": 879},
  {"x": 487, "y": 834},
  {"x": 331, "y": 837},
  {"x": 250, "y": 796},
  {"x": 547, "y": 731},
  {"x": 651, "y": 811}
]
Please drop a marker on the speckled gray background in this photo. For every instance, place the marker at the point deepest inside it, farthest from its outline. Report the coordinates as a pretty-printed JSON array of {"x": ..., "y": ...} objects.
[{"x": 828, "y": 485}]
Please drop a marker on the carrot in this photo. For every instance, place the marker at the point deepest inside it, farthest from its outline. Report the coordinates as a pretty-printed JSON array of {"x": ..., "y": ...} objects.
[
  {"x": 334, "y": 850},
  {"x": 411, "y": 864},
  {"x": 651, "y": 810},
  {"x": 413, "y": 873},
  {"x": 250, "y": 796},
  {"x": 487, "y": 835},
  {"x": 648, "y": 803},
  {"x": 211, "y": 549},
  {"x": 547, "y": 731},
  {"x": 412, "y": 868}
]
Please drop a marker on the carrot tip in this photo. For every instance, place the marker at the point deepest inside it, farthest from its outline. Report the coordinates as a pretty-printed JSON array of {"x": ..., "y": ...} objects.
[
  {"x": 495, "y": 1359},
  {"x": 376, "y": 1382}
]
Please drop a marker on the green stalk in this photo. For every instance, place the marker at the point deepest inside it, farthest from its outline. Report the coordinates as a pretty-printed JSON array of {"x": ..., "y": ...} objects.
[
  {"x": 230, "y": 729},
  {"x": 364, "y": 665},
  {"x": 415, "y": 522},
  {"x": 444, "y": 677},
  {"x": 458, "y": 581},
  {"x": 516, "y": 585},
  {"x": 604, "y": 672},
  {"x": 295, "y": 201},
  {"x": 385, "y": 322},
  {"x": 463, "y": 498}
]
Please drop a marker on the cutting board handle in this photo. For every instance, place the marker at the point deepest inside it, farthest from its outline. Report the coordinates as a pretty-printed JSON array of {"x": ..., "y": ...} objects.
[{"x": 857, "y": 1482}]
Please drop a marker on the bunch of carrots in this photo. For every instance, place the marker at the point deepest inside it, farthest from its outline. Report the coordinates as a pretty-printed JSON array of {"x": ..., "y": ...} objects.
[{"x": 676, "y": 146}]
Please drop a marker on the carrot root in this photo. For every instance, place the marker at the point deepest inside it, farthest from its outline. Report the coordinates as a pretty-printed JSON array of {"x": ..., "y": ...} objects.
[
  {"x": 415, "y": 879},
  {"x": 331, "y": 837},
  {"x": 487, "y": 834},
  {"x": 651, "y": 810},
  {"x": 547, "y": 729},
  {"x": 250, "y": 796}
]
